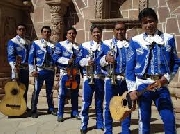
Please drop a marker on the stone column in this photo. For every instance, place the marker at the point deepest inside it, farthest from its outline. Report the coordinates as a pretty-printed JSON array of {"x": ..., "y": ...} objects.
[
  {"x": 57, "y": 10},
  {"x": 98, "y": 9},
  {"x": 143, "y": 4}
]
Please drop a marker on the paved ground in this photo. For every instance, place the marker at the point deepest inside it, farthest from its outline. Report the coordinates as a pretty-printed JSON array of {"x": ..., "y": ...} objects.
[{"x": 47, "y": 124}]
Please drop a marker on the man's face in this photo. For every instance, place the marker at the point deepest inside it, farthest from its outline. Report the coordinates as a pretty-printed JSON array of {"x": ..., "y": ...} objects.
[
  {"x": 149, "y": 25},
  {"x": 46, "y": 33},
  {"x": 71, "y": 35},
  {"x": 96, "y": 35},
  {"x": 120, "y": 31},
  {"x": 21, "y": 31}
]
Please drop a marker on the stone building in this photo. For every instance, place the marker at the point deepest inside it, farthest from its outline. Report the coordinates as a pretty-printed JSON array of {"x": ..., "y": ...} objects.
[{"x": 61, "y": 14}]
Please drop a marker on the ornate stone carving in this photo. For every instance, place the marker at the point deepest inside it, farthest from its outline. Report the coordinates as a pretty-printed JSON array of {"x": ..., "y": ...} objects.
[
  {"x": 56, "y": 21},
  {"x": 98, "y": 9},
  {"x": 57, "y": 10},
  {"x": 143, "y": 4}
]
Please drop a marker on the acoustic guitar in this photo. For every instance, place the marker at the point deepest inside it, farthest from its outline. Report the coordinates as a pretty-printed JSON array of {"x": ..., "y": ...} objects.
[
  {"x": 121, "y": 106},
  {"x": 13, "y": 103}
]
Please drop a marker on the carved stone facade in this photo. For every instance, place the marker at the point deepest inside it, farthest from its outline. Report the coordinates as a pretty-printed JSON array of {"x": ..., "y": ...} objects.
[
  {"x": 11, "y": 13},
  {"x": 57, "y": 10},
  {"x": 99, "y": 9},
  {"x": 143, "y": 4}
]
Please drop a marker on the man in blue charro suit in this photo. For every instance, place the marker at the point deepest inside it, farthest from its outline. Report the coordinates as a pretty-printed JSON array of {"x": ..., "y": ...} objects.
[
  {"x": 151, "y": 62},
  {"x": 18, "y": 47},
  {"x": 89, "y": 57},
  {"x": 113, "y": 64},
  {"x": 65, "y": 56},
  {"x": 41, "y": 66}
]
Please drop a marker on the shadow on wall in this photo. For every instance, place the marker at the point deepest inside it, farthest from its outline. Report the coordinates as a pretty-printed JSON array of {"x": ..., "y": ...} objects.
[{"x": 70, "y": 18}]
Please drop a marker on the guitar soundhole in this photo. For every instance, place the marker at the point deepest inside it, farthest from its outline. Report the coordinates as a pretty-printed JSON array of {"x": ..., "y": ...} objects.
[
  {"x": 124, "y": 102},
  {"x": 14, "y": 92}
]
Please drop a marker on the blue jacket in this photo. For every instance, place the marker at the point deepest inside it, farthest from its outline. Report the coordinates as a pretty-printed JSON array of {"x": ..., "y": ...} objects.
[
  {"x": 40, "y": 53},
  {"x": 160, "y": 61},
  {"x": 120, "y": 48},
  {"x": 63, "y": 52},
  {"x": 17, "y": 46},
  {"x": 84, "y": 55}
]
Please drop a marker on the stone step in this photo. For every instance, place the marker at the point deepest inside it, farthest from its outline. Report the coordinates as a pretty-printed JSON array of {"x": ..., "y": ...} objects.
[
  {"x": 2, "y": 75},
  {"x": 3, "y": 81},
  {"x": 1, "y": 96},
  {"x": 2, "y": 91}
]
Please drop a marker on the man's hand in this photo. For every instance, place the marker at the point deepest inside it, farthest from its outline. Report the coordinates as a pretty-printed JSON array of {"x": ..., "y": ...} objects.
[
  {"x": 133, "y": 95},
  {"x": 70, "y": 61},
  {"x": 16, "y": 70},
  {"x": 163, "y": 81},
  {"x": 90, "y": 62},
  {"x": 109, "y": 58},
  {"x": 34, "y": 73}
]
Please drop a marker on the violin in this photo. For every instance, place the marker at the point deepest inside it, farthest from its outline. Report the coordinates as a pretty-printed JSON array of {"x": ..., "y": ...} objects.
[{"x": 72, "y": 72}]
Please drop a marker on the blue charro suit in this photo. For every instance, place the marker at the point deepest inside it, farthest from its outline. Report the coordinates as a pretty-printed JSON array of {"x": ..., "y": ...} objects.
[
  {"x": 110, "y": 90},
  {"x": 88, "y": 90},
  {"x": 18, "y": 46},
  {"x": 152, "y": 56},
  {"x": 64, "y": 51},
  {"x": 40, "y": 60}
]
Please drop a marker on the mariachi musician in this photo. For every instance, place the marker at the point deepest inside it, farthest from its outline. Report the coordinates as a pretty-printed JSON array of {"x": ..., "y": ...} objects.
[
  {"x": 65, "y": 57},
  {"x": 41, "y": 67},
  {"x": 18, "y": 49},
  {"x": 93, "y": 78},
  {"x": 113, "y": 64}
]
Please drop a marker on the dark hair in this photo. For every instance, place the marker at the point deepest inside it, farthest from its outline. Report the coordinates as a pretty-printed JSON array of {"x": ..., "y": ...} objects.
[
  {"x": 45, "y": 27},
  {"x": 119, "y": 22},
  {"x": 71, "y": 28},
  {"x": 95, "y": 26},
  {"x": 147, "y": 12},
  {"x": 20, "y": 24}
]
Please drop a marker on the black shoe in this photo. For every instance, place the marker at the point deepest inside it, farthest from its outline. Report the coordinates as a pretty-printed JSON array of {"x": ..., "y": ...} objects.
[
  {"x": 83, "y": 131},
  {"x": 76, "y": 116},
  {"x": 53, "y": 112},
  {"x": 34, "y": 115},
  {"x": 60, "y": 119}
]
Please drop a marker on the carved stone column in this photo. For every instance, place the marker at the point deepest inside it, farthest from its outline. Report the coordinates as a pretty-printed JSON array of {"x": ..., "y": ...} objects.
[
  {"x": 143, "y": 4},
  {"x": 57, "y": 10},
  {"x": 98, "y": 9}
]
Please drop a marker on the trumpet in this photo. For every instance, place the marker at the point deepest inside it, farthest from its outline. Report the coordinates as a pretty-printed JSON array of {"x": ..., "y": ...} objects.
[
  {"x": 90, "y": 69},
  {"x": 111, "y": 72}
]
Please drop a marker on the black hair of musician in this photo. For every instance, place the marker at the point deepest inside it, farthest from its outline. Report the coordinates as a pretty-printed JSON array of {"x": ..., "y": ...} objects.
[
  {"x": 95, "y": 26},
  {"x": 71, "y": 28},
  {"x": 147, "y": 12},
  {"x": 20, "y": 24},
  {"x": 46, "y": 27},
  {"x": 119, "y": 22}
]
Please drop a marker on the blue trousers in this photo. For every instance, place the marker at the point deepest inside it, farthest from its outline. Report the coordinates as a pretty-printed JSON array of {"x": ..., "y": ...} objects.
[
  {"x": 24, "y": 78},
  {"x": 87, "y": 95},
  {"x": 162, "y": 101},
  {"x": 63, "y": 91},
  {"x": 48, "y": 77},
  {"x": 110, "y": 91}
]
